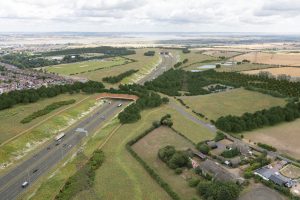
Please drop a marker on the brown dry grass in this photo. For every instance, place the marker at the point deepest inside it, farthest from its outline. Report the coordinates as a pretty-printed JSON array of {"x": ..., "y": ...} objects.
[
  {"x": 285, "y": 137},
  {"x": 287, "y": 59},
  {"x": 291, "y": 71},
  {"x": 291, "y": 171}
]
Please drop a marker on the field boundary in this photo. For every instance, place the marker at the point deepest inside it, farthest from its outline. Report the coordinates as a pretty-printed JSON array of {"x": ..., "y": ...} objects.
[
  {"x": 34, "y": 126},
  {"x": 164, "y": 185}
]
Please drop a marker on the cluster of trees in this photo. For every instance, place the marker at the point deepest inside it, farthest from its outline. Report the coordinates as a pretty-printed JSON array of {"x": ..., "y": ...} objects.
[
  {"x": 267, "y": 147},
  {"x": 46, "y": 110},
  {"x": 230, "y": 153},
  {"x": 266, "y": 117},
  {"x": 257, "y": 162},
  {"x": 174, "y": 159},
  {"x": 178, "y": 64},
  {"x": 149, "y": 53},
  {"x": 7, "y": 100},
  {"x": 218, "y": 190},
  {"x": 147, "y": 99},
  {"x": 112, "y": 51},
  {"x": 166, "y": 120},
  {"x": 186, "y": 50},
  {"x": 83, "y": 179},
  {"x": 120, "y": 77}
]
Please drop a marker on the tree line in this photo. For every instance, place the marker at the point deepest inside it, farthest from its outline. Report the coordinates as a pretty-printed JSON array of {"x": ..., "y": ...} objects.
[
  {"x": 46, "y": 110},
  {"x": 8, "y": 100},
  {"x": 259, "y": 119},
  {"x": 120, "y": 77},
  {"x": 149, "y": 53}
]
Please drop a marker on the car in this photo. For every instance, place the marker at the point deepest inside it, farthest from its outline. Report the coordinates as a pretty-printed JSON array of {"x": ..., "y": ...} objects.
[
  {"x": 64, "y": 145},
  {"x": 48, "y": 148},
  {"x": 25, "y": 184},
  {"x": 57, "y": 143},
  {"x": 119, "y": 105},
  {"x": 102, "y": 117},
  {"x": 35, "y": 170}
]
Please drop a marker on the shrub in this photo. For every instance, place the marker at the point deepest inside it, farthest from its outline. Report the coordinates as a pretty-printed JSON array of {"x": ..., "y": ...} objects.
[
  {"x": 230, "y": 153},
  {"x": 178, "y": 171},
  {"x": 267, "y": 147},
  {"x": 203, "y": 148},
  {"x": 193, "y": 182}
]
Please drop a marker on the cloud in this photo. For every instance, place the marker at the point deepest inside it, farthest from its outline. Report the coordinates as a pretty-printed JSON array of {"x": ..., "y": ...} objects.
[{"x": 148, "y": 15}]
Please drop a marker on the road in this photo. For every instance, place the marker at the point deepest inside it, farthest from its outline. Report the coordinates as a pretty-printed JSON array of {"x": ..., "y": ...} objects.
[
  {"x": 167, "y": 62},
  {"x": 34, "y": 167},
  {"x": 31, "y": 169}
]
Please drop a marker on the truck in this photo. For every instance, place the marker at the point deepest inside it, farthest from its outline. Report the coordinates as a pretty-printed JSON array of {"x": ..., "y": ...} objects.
[{"x": 58, "y": 137}]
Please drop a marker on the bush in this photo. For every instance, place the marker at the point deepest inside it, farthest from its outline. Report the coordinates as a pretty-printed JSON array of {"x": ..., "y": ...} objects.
[
  {"x": 218, "y": 190},
  {"x": 166, "y": 153},
  {"x": 178, "y": 171},
  {"x": 203, "y": 148},
  {"x": 178, "y": 159},
  {"x": 230, "y": 153},
  {"x": 267, "y": 147},
  {"x": 193, "y": 182},
  {"x": 220, "y": 136}
]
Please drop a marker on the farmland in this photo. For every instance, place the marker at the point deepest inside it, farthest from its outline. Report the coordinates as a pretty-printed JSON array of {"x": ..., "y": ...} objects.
[
  {"x": 221, "y": 53},
  {"x": 143, "y": 63},
  {"x": 291, "y": 171},
  {"x": 243, "y": 67},
  {"x": 82, "y": 67},
  {"x": 121, "y": 176},
  {"x": 285, "y": 59},
  {"x": 234, "y": 102},
  {"x": 290, "y": 71},
  {"x": 147, "y": 148},
  {"x": 284, "y": 137},
  {"x": 195, "y": 59}
]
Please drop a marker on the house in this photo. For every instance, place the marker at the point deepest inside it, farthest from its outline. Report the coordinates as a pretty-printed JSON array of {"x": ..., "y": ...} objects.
[
  {"x": 214, "y": 169},
  {"x": 278, "y": 179}
]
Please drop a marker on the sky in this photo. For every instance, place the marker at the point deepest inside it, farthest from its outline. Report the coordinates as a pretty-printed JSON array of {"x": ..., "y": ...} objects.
[{"x": 276, "y": 16}]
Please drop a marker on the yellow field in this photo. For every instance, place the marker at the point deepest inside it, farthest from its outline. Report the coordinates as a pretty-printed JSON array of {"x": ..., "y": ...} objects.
[
  {"x": 291, "y": 71},
  {"x": 234, "y": 102},
  {"x": 286, "y": 59},
  {"x": 218, "y": 53},
  {"x": 285, "y": 137}
]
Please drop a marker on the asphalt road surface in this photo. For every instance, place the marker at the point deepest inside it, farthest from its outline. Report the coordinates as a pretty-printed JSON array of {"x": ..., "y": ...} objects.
[
  {"x": 31, "y": 169},
  {"x": 34, "y": 167}
]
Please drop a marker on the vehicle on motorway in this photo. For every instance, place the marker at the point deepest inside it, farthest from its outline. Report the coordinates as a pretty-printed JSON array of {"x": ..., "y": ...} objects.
[
  {"x": 120, "y": 105},
  {"x": 25, "y": 184},
  {"x": 35, "y": 170},
  {"x": 60, "y": 136}
]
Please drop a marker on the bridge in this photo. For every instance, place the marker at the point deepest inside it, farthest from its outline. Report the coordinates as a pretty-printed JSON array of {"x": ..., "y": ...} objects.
[{"x": 117, "y": 96}]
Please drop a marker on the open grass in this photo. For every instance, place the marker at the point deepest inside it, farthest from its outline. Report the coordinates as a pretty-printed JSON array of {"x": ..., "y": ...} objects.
[
  {"x": 243, "y": 67},
  {"x": 10, "y": 118},
  {"x": 284, "y": 137},
  {"x": 234, "y": 102},
  {"x": 85, "y": 66},
  {"x": 147, "y": 148},
  {"x": 50, "y": 184},
  {"x": 143, "y": 63},
  {"x": 291, "y": 171},
  {"x": 30, "y": 140},
  {"x": 195, "y": 59},
  {"x": 121, "y": 176}
]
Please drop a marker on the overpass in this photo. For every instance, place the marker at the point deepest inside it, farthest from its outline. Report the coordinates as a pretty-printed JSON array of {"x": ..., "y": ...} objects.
[{"x": 117, "y": 96}]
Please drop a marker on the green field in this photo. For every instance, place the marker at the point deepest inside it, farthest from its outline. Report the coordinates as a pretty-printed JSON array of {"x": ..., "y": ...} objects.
[
  {"x": 234, "y": 102},
  {"x": 147, "y": 148},
  {"x": 82, "y": 67},
  {"x": 143, "y": 63},
  {"x": 195, "y": 59},
  {"x": 243, "y": 67},
  {"x": 41, "y": 129}
]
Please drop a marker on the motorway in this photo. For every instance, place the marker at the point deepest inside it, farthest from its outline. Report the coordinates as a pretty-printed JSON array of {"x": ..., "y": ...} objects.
[
  {"x": 31, "y": 169},
  {"x": 50, "y": 155}
]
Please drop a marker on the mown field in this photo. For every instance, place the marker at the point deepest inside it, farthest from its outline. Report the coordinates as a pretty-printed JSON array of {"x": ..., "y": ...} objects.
[
  {"x": 41, "y": 129},
  {"x": 195, "y": 59},
  {"x": 219, "y": 53},
  {"x": 288, "y": 59},
  {"x": 243, "y": 67},
  {"x": 234, "y": 102},
  {"x": 285, "y": 137},
  {"x": 148, "y": 147},
  {"x": 143, "y": 63},
  {"x": 81, "y": 67},
  {"x": 121, "y": 176}
]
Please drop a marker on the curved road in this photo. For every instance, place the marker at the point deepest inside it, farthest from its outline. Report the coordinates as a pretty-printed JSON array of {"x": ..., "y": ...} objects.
[{"x": 34, "y": 167}]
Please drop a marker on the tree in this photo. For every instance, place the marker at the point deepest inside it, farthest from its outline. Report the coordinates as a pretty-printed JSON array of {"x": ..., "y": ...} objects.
[
  {"x": 166, "y": 153},
  {"x": 203, "y": 148},
  {"x": 218, "y": 66}
]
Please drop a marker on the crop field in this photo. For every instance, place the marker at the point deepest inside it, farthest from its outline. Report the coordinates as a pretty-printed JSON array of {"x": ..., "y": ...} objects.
[
  {"x": 286, "y": 59},
  {"x": 234, "y": 102},
  {"x": 291, "y": 171},
  {"x": 195, "y": 59},
  {"x": 85, "y": 66},
  {"x": 143, "y": 63},
  {"x": 219, "y": 53},
  {"x": 290, "y": 71},
  {"x": 243, "y": 67},
  {"x": 121, "y": 176},
  {"x": 260, "y": 192},
  {"x": 41, "y": 129},
  {"x": 147, "y": 148},
  {"x": 285, "y": 137}
]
